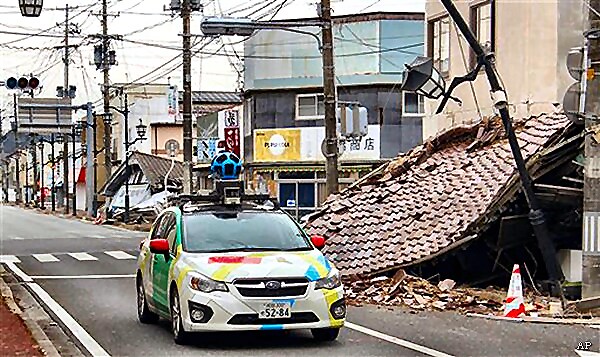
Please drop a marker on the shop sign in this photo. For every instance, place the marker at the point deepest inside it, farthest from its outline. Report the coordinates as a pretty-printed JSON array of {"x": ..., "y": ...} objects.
[{"x": 277, "y": 145}]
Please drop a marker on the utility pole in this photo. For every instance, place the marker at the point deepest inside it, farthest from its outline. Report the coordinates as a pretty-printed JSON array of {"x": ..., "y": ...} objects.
[
  {"x": 66, "y": 95},
  {"x": 590, "y": 284},
  {"x": 331, "y": 142},
  {"x": 187, "y": 98},
  {"x": 106, "y": 86}
]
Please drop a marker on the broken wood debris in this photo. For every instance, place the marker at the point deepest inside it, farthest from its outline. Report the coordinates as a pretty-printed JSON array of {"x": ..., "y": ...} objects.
[{"x": 419, "y": 294}]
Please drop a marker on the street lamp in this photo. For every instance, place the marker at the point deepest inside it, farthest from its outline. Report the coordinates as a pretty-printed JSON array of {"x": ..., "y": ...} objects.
[
  {"x": 31, "y": 8},
  {"x": 211, "y": 26},
  {"x": 141, "y": 135},
  {"x": 421, "y": 76}
]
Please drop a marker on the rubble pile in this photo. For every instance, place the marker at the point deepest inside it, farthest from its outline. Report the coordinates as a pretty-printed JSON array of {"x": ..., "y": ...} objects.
[{"x": 419, "y": 294}]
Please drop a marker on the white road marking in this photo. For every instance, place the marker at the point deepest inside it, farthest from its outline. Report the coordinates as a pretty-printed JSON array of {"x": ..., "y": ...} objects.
[
  {"x": 79, "y": 332},
  {"x": 20, "y": 273},
  {"x": 96, "y": 276},
  {"x": 9, "y": 259},
  {"x": 45, "y": 258},
  {"x": 83, "y": 256},
  {"x": 118, "y": 254},
  {"x": 397, "y": 341},
  {"x": 587, "y": 353},
  {"x": 595, "y": 326}
]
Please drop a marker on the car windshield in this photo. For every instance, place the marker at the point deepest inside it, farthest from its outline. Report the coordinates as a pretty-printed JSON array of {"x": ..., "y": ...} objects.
[{"x": 210, "y": 232}]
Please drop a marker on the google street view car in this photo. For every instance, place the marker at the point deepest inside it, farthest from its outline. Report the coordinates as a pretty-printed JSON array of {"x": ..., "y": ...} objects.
[{"x": 229, "y": 260}]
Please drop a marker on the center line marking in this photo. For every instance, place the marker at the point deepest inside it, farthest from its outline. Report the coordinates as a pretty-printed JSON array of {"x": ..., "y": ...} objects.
[
  {"x": 396, "y": 340},
  {"x": 83, "y": 256}
]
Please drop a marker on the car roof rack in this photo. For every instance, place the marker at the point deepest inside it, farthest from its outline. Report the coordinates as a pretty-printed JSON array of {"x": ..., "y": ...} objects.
[{"x": 227, "y": 193}]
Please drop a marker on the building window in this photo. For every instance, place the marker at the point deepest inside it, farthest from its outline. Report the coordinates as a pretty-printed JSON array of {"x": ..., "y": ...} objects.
[
  {"x": 482, "y": 25},
  {"x": 412, "y": 104},
  {"x": 310, "y": 106},
  {"x": 439, "y": 43}
]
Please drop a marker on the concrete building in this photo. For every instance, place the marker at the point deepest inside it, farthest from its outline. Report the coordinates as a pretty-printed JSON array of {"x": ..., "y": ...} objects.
[
  {"x": 283, "y": 125},
  {"x": 531, "y": 40}
]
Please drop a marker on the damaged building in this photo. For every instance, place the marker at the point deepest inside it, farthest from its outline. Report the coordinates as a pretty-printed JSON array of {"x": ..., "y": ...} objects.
[{"x": 453, "y": 207}]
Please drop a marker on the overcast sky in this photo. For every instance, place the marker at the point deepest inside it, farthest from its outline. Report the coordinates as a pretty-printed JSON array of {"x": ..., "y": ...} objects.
[{"x": 214, "y": 68}]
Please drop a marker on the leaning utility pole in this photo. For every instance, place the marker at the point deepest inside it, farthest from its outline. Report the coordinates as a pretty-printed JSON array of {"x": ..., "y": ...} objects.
[
  {"x": 186, "y": 10},
  {"x": 590, "y": 284},
  {"x": 105, "y": 88},
  {"x": 331, "y": 142}
]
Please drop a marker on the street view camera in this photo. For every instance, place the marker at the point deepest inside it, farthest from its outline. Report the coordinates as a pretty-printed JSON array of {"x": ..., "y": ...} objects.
[{"x": 226, "y": 168}]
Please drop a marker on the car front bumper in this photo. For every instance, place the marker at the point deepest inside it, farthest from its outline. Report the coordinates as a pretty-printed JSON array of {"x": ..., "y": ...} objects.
[{"x": 229, "y": 311}]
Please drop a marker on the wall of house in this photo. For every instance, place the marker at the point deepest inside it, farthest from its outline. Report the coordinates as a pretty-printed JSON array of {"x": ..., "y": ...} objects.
[
  {"x": 160, "y": 134},
  {"x": 268, "y": 110},
  {"x": 147, "y": 102},
  {"x": 366, "y": 52},
  {"x": 532, "y": 39}
]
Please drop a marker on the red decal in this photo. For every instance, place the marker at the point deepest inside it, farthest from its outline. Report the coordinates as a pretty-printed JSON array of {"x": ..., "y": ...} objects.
[{"x": 234, "y": 260}]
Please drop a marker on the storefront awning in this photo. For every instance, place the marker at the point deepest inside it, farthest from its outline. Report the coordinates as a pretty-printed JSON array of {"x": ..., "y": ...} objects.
[{"x": 309, "y": 168}]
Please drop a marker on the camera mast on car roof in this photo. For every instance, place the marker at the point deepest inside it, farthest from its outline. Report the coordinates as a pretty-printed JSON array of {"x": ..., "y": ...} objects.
[{"x": 228, "y": 187}]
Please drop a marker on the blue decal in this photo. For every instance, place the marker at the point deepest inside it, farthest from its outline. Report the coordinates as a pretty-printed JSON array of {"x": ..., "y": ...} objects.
[
  {"x": 271, "y": 327},
  {"x": 324, "y": 261},
  {"x": 291, "y": 301},
  {"x": 312, "y": 274}
]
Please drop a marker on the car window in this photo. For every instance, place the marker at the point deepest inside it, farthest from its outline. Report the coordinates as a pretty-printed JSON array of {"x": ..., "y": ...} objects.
[
  {"x": 156, "y": 228},
  {"x": 242, "y": 231},
  {"x": 171, "y": 232}
]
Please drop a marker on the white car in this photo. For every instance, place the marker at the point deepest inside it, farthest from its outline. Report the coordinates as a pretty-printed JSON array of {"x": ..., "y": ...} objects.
[{"x": 217, "y": 268}]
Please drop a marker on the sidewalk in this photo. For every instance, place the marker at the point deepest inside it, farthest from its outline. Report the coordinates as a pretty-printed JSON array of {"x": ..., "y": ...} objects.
[{"x": 16, "y": 339}]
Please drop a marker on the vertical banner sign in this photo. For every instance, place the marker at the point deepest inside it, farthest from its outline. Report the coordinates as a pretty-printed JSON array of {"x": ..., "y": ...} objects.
[
  {"x": 232, "y": 131},
  {"x": 172, "y": 97},
  {"x": 207, "y": 149}
]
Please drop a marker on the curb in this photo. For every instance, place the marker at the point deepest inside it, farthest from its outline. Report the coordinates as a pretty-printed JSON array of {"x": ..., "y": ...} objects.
[
  {"x": 542, "y": 320},
  {"x": 45, "y": 345}
]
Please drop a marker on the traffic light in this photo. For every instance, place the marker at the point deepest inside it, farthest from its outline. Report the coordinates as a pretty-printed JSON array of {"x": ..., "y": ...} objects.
[{"x": 22, "y": 83}]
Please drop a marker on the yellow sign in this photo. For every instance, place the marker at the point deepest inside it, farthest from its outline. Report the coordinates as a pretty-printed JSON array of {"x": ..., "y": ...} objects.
[{"x": 277, "y": 145}]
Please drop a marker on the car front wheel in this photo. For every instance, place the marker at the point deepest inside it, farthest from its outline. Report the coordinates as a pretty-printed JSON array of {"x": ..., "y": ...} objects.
[
  {"x": 179, "y": 334},
  {"x": 325, "y": 334},
  {"x": 145, "y": 316}
]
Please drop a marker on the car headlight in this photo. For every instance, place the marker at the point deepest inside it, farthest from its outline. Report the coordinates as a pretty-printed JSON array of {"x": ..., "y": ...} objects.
[
  {"x": 332, "y": 281},
  {"x": 206, "y": 285}
]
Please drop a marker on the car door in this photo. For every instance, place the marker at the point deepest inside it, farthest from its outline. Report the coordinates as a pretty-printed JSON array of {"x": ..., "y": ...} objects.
[{"x": 161, "y": 264}]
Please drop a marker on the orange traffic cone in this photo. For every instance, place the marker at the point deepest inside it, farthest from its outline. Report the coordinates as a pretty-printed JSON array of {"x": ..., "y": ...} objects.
[{"x": 515, "y": 304}]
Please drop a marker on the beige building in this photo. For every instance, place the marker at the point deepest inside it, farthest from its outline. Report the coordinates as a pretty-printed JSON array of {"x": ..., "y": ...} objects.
[{"x": 530, "y": 39}]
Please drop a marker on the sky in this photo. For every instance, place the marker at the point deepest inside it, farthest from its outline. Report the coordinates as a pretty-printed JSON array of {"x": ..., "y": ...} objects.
[{"x": 150, "y": 49}]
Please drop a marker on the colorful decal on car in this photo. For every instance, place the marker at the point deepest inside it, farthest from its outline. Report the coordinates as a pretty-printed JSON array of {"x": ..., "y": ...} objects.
[
  {"x": 234, "y": 260},
  {"x": 332, "y": 296},
  {"x": 272, "y": 327}
]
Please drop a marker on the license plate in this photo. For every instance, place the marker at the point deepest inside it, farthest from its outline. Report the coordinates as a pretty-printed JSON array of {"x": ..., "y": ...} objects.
[{"x": 275, "y": 310}]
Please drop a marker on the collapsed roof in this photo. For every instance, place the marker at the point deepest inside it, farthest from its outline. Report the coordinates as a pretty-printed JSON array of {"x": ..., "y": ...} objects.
[
  {"x": 154, "y": 168},
  {"x": 437, "y": 197}
]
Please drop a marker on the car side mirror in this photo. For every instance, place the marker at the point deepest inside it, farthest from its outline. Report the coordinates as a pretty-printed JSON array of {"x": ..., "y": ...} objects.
[
  {"x": 318, "y": 241},
  {"x": 159, "y": 246}
]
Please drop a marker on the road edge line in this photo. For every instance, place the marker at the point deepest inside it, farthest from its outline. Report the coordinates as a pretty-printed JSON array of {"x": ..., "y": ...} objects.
[
  {"x": 36, "y": 331},
  {"x": 396, "y": 340},
  {"x": 88, "y": 342}
]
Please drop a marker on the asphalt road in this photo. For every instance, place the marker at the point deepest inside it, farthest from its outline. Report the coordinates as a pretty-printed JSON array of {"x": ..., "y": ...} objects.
[{"x": 105, "y": 306}]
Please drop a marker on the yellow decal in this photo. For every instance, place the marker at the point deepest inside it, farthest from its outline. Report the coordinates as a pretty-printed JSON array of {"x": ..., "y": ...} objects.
[
  {"x": 182, "y": 273},
  {"x": 222, "y": 273},
  {"x": 314, "y": 262},
  {"x": 332, "y": 296}
]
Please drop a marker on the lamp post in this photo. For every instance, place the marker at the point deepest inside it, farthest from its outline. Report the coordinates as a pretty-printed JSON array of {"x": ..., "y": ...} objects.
[
  {"x": 421, "y": 77},
  {"x": 31, "y": 8},
  {"x": 245, "y": 27},
  {"x": 141, "y": 135}
]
